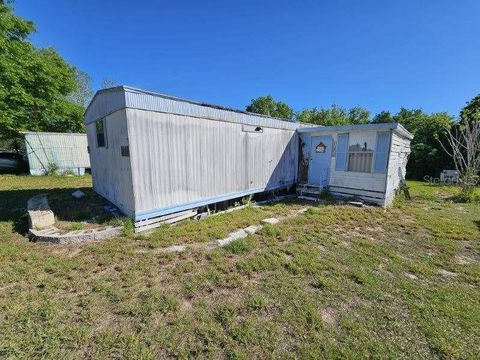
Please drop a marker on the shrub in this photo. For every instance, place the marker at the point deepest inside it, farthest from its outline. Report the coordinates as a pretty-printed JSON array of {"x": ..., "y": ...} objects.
[
  {"x": 327, "y": 196},
  {"x": 52, "y": 169}
]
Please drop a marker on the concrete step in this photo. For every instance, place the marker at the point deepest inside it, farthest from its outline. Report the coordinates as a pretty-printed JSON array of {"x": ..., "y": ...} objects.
[
  {"x": 309, "y": 198},
  {"x": 308, "y": 186},
  {"x": 309, "y": 191}
]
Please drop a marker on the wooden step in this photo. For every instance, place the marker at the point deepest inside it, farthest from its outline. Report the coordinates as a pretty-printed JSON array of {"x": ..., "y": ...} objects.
[{"x": 309, "y": 198}]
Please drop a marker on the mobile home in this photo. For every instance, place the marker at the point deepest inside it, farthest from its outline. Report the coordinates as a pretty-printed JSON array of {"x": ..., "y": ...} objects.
[
  {"x": 154, "y": 155},
  {"x": 360, "y": 161},
  {"x": 66, "y": 151}
]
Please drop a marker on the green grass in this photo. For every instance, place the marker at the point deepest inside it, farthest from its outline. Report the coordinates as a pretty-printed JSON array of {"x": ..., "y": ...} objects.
[{"x": 335, "y": 282}]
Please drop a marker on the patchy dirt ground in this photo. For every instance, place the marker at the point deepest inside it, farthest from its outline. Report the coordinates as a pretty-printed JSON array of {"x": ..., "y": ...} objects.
[{"x": 336, "y": 281}]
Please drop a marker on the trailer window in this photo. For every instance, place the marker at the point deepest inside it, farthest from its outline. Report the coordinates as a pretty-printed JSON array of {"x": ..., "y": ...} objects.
[
  {"x": 360, "y": 158},
  {"x": 100, "y": 129},
  {"x": 125, "y": 151}
]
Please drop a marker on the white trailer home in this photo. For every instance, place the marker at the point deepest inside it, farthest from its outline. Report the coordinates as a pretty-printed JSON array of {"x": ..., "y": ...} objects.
[
  {"x": 67, "y": 151},
  {"x": 362, "y": 161},
  {"x": 154, "y": 155}
]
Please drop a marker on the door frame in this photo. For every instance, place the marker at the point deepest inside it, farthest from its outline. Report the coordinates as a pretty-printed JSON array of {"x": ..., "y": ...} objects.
[{"x": 322, "y": 181}]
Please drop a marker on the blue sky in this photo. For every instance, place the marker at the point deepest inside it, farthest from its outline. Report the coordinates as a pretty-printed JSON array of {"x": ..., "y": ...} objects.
[{"x": 378, "y": 54}]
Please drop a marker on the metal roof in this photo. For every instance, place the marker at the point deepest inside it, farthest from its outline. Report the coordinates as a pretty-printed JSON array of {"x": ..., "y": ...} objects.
[
  {"x": 344, "y": 128},
  {"x": 107, "y": 101}
]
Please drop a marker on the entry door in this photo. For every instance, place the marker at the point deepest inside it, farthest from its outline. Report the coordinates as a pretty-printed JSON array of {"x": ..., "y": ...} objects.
[{"x": 320, "y": 157}]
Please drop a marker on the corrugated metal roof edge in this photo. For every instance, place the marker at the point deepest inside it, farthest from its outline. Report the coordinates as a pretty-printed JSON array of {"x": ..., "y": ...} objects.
[
  {"x": 101, "y": 91},
  {"x": 382, "y": 126},
  {"x": 126, "y": 88},
  {"x": 51, "y": 133}
]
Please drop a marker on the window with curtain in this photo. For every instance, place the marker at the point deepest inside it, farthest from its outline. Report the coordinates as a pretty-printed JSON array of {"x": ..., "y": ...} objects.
[{"x": 360, "y": 158}]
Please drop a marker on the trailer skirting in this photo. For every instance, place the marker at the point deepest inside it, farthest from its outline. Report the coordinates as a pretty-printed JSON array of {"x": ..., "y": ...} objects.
[{"x": 204, "y": 202}]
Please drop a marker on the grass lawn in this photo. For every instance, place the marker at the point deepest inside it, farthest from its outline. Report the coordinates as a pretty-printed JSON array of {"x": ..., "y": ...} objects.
[{"x": 337, "y": 281}]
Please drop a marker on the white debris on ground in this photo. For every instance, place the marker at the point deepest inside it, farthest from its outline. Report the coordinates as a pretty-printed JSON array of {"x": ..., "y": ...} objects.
[
  {"x": 176, "y": 248},
  {"x": 355, "y": 203},
  {"x": 252, "y": 229},
  {"x": 240, "y": 234},
  {"x": 271, "y": 221},
  {"x": 78, "y": 194}
]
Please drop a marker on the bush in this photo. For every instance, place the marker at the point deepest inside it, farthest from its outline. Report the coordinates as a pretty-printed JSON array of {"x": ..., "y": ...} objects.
[
  {"x": 52, "y": 169},
  {"x": 468, "y": 190},
  {"x": 468, "y": 194}
]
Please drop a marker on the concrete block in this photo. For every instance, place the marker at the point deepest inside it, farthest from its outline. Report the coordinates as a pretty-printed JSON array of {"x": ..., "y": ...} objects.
[
  {"x": 40, "y": 219},
  {"x": 252, "y": 229},
  {"x": 271, "y": 221},
  {"x": 232, "y": 237}
]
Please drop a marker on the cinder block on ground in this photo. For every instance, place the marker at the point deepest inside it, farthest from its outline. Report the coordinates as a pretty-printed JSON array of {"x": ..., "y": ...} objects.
[
  {"x": 232, "y": 237},
  {"x": 252, "y": 229},
  {"x": 40, "y": 219},
  {"x": 39, "y": 214},
  {"x": 271, "y": 221}
]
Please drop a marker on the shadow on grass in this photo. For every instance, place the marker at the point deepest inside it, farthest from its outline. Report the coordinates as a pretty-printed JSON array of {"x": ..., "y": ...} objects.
[
  {"x": 477, "y": 222},
  {"x": 13, "y": 206}
]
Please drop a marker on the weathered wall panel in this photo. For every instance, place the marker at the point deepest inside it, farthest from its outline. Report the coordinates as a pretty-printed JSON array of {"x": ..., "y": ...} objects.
[
  {"x": 67, "y": 151},
  {"x": 181, "y": 160},
  {"x": 397, "y": 164},
  {"x": 111, "y": 172}
]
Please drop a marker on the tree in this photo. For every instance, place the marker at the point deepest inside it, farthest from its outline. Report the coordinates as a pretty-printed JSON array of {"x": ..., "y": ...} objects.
[
  {"x": 83, "y": 93},
  {"x": 335, "y": 115},
  {"x": 471, "y": 112},
  {"x": 427, "y": 156},
  {"x": 383, "y": 117},
  {"x": 463, "y": 146},
  {"x": 35, "y": 83},
  {"x": 267, "y": 105},
  {"x": 108, "y": 83},
  {"x": 358, "y": 115}
]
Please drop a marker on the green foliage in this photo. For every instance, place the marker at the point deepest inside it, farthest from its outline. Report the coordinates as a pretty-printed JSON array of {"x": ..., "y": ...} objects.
[
  {"x": 427, "y": 157},
  {"x": 240, "y": 246},
  {"x": 83, "y": 93},
  {"x": 52, "y": 169},
  {"x": 267, "y": 105},
  {"x": 35, "y": 82},
  {"x": 383, "y": 117},
  {"x": 335, "y": 115},
  {"x": 468, "y": 194},
  {"x": 471, "y": 112},
  {"x": 247, "y": 200},
  {"x": 127, "y": 223}
]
